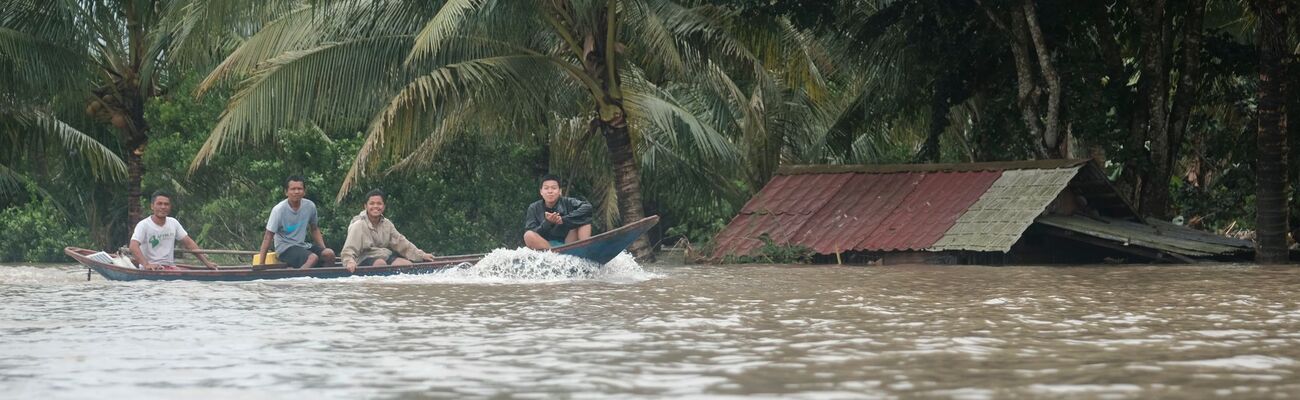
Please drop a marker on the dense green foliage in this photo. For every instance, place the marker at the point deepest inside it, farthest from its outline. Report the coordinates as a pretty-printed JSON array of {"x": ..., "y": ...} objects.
[
  {"x": 470, "y": 200},
  {"x": 38, "y": 231},
  {"x": 455, "y": 111},
  {"x": 775, "y": 253}
]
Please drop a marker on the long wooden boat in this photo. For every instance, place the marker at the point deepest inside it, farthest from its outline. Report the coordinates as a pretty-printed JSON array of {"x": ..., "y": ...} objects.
[{"x": 599, "y": 248}]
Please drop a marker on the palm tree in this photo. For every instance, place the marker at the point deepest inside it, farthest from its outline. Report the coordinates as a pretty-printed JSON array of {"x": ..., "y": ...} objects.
[
  {"x": 1271, "y": 167},
  {"x": 28, "y": 136},
  {"x": 35, "y": 88},
  {"x": 108, "y": 58},
  {"x": 567, "y": 72}
]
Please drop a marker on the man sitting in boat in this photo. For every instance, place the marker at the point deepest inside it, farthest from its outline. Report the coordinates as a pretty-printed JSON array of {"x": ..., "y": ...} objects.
[
  {"x": 288, "y": 225},
  {"x": 155, "y": 237},
  {"x": 375, "y": 240},
  {"x": 555, "y": 220}
]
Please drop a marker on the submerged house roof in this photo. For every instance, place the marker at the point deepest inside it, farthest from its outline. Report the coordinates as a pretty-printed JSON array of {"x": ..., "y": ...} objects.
[{"x": 980, "y": 207}]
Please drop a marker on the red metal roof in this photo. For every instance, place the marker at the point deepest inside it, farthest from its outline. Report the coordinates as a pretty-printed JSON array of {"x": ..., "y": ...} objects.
[
  {"x": 795, "y": 194},
  {"x": 859, "y": 207},
  {"x": 933, "y": 207},
  {"x": 741, "y": 237},
  {"x": 854, "y": 211}
]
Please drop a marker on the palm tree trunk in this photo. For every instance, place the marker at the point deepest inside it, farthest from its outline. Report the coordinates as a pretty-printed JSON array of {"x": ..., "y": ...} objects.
[
  {"x": 627, "y": 180},
  {"x": 134, "y": 131},
  {"x": 135, "y": 171},
  {"x": 1270, "y": 168},
  {"x": 600, "y": 63}
]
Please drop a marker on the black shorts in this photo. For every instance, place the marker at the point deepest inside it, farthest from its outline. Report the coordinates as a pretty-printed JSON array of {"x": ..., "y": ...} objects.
[
  {"x": 368, "y": 261},
  {"x": 296, "y": 256}
]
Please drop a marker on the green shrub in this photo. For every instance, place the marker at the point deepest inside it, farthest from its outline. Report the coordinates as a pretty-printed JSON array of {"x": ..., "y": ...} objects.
[
  {"x": 773, "y": 253},
  {"x": 37, "y": 232}
]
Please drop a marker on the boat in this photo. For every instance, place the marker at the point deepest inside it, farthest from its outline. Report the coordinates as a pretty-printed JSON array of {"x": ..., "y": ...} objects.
[{"x": 599, "y": 249}]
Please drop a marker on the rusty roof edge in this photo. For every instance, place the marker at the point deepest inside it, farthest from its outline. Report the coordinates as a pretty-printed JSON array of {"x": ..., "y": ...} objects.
[{"x": 955, "y": 167}]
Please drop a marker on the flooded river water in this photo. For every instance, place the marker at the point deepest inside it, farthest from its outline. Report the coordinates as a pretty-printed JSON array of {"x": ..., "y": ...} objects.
[{"x": 528, "y": 330}]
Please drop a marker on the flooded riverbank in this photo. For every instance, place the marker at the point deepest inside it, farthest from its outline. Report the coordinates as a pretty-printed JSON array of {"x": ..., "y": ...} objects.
[{"x": 661, "y": 331}]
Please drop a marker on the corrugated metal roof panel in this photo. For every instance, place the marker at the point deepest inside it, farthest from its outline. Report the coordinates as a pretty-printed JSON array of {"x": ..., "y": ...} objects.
[
  {"x": 741, "y": 236},
  {"x": 782, "y": 207},
  {"x": 795, "y": 195},
  {"x": 961, "y": 167},
  {"x": 933, "y": 206},
  {"x": 864, "y": 202},
  {"x": 1160, "y": 236},
  {"x": 997, "y": 220}
]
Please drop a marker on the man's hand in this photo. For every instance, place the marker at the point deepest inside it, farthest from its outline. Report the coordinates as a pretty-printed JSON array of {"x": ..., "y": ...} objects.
[
  {"x": 351, "y": 265},
  {"x": 428, "y": 256},
  {"x": 211, "y": 265},
  {"x": 554, "y": 218}
]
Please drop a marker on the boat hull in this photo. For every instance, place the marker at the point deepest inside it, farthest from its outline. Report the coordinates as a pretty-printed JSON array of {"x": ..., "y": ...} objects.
[{"x": 599, "y": 249}]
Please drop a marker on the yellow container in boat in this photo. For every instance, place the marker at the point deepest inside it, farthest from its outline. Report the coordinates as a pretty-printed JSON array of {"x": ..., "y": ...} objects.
[{"x": 270, "y": 258}]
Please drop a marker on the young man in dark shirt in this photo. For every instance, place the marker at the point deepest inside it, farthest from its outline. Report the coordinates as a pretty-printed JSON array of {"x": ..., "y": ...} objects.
[{"x": 555, "y": 220}]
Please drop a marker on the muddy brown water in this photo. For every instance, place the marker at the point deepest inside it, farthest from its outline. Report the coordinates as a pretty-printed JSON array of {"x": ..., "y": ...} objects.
[{"x": 519, "y": 326}]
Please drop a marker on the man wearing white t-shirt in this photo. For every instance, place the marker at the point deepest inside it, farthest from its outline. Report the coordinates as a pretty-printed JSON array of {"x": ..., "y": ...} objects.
[{"x": 155, "y": 237}]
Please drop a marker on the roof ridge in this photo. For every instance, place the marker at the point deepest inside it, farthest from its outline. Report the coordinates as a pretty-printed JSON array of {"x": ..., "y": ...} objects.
[{"x": 948, "y": 167}]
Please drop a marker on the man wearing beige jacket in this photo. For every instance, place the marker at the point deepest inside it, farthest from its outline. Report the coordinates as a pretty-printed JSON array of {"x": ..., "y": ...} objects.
[{"x": 375, "y": 241}]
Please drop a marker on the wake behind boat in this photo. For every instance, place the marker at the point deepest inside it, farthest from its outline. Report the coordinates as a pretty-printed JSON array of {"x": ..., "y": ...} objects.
[{"x": 599, "y": 249}]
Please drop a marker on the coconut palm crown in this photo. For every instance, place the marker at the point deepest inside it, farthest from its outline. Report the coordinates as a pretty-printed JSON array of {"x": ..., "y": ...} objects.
[{"x": 565, "y": 71}]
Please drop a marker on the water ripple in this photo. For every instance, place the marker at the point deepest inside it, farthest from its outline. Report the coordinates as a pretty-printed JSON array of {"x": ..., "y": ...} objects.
[{"x": 538, "y": 325}]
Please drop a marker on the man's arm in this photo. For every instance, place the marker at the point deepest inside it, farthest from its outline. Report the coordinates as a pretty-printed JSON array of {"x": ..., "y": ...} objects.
[
  {"x": 579, "y": 215},
  {"x": 316, "y": 236},
  {"x": 139, "y": 256},
  {"x": 194, "y": 247},
  {"x": 403, "y": 246},
  {"x": 352, "y": 245},
  {"x": 266, "y": 243},
  {"x": 533, "y": 219},
  {"x": 272, "y": 225}
]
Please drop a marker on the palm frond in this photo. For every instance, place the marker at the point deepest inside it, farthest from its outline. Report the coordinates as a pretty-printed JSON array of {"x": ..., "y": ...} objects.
[
  {"x": 416, "y": 108},
  {"x": 307, "y": 27},
  {"x": 705, "y": 28},
  {"x": 102, "y": 162},
  {"x": 645, "y": 106},
  {"x": 10, "y": 181},
  {"x": 334, "y": 84},
  {"x": 657, "y": 48},
  {"x": 36, "y": 67},
  {"x": 447, "y": 22}
]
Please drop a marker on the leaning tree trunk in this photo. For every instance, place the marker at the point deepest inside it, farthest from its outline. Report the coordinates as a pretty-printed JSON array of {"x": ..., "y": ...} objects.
[
  {"x": 627, "y": 180},
  {"x": 1270, "y": 168},
  {"x": 599, "y": 62}
]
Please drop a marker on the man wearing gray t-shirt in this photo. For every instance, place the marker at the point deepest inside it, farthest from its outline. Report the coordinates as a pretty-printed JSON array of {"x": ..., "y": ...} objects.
[{"x": 288, "y": 225}]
